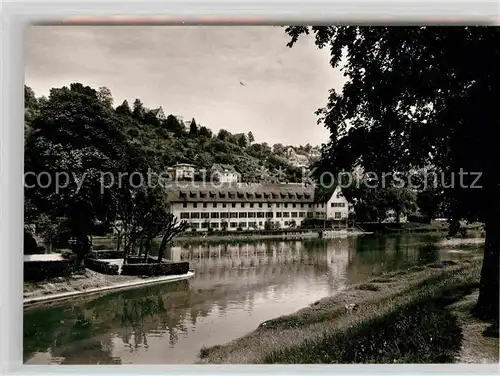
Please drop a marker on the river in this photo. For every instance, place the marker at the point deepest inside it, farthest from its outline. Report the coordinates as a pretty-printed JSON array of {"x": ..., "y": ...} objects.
[{"x": 236, "y": 287}]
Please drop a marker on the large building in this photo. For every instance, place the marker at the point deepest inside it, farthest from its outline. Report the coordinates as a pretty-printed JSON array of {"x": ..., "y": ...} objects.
[{"x": 243, "y": 206}]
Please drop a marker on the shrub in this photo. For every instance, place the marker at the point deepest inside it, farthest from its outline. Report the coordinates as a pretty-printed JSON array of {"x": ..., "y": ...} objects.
[
  {"x": 105, "y": 254},
  {"x": 100, "y": 266},
  {"x": 161, "y": 269},
  {"x": 41, "y": 270}
]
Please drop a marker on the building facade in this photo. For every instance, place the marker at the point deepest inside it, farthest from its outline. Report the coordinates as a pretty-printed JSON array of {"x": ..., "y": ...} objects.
[
  {"x": 224, "y": 173},
  {"x": 183, "y": 171},
  {"x": 234, "y": 207}
]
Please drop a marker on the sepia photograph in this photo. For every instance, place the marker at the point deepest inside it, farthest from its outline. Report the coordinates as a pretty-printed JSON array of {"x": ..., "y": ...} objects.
[{"x": 259, "y": 194}]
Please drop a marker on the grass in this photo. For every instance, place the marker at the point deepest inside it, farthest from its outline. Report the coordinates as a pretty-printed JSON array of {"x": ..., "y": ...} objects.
[
  {"x": 368, "y": 287},
  {"x": 406, "y": 321}
]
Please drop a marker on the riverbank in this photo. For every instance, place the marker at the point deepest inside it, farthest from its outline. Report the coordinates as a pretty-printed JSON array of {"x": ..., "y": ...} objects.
[
  {"x": 403, "y": 317},
  {"x": 87, "y": 282}
]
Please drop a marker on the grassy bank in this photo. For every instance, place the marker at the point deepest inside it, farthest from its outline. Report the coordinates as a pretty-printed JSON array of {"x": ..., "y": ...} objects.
[{"x": 402, "y": 318}]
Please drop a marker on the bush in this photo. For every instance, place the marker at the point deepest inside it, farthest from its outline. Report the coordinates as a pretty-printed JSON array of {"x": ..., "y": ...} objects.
[
  {"x": 105, "y": 254},
  {"x": 41, "y": 270},
  {"x": 100, "y": 266},
  {"x": 162, "y": 269}
]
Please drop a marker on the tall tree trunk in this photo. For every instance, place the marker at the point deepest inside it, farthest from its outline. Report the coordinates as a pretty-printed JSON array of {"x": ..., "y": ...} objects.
[
  {"x": 163, "y": 245},
  {"x": 488, "y": 302}
]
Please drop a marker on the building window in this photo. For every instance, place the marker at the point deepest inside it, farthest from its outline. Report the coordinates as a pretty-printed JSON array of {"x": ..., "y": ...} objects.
[
  {"x": 205, "y": 225},
  {"x": 278, "y": 214},
  {"x": 251, "y": 204},
  {"x": 269, "y": 205},
  {"x": 242, "y": 215},
  {"x": 286, "y": 214},
  {"x": 215, "y": 205},
  {"x": 302, "y": 214},
  {"x": 234, "y": 224},
  {"x": 242, "y": 204},
  {"x": 286, "y": 205},
  {"x": 214, "y": 225},
  {"x": 251, "y": 215},
  {"x": 339, "y": 194},
  {"x": 294, "y": 205},
  {"x": 224, "y": 215},
  {"x": 234, "y": 215},
  {"x": 204, "y": 204},
  {"x": 205, "y": 215},
  {"x": 310, "y": 214},
  {"x": 242, "y": 224},
  {"x": 260, "y": 223},
  {"x": 323, "y": 205},
  {"x": 195, "y": 215},
  {"x": 233, "y": 205},
  {"x": 184, "y": 215},
  {"x": 294, "y": 214},
  {"x": 310, "y": 205},
  {"x": 224, "y": 205},
  {"x": 269, "y": 214},
  {"x": 338, "y": 215},
  {"x": 195, "y": 205},
  {"x": 302, "y": 206},
  {"x": 194, "y": 225},
  {"x": 184, "y": 204},
  {"x": 260, "y": 215},
  {"x": 278, "y": 205},
  {"x": 214, "y": 215}
]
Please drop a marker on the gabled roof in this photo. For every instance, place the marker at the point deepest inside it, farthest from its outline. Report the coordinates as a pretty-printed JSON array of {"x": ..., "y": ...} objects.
[
  {"x": 245, "y": 192},
  {"x": 219, "y": 167}
]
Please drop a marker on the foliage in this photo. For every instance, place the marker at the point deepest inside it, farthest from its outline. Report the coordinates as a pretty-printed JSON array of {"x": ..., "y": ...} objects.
[{"x": 422, "y": 95}]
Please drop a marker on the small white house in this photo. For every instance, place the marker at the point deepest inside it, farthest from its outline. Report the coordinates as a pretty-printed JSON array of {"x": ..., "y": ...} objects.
[
  {"x": 337, "y": 206},
  {"x": 184, "y": 171},
  {"x": 224, "y": 173}
]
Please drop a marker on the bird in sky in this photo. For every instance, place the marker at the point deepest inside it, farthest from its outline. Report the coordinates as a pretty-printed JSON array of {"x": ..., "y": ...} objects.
[{"x": 242, "y": 84}]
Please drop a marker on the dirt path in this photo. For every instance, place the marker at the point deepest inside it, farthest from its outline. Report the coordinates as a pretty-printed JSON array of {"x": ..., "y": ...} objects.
[{"x": 476, "y": 348}]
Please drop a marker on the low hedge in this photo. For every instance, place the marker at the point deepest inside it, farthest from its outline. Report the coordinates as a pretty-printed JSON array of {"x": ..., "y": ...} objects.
[
  {"x": 149, "y": 270},
  {"x": 106, "y": 254},
  {"x": 41, "y": 270},
  {"x": 140, "y": 260},
  {"x": 100, "y": 266}
]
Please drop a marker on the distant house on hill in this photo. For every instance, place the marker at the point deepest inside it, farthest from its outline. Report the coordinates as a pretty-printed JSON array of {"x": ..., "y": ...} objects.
[
  {"x": 182, "y": 171},
  {"x": 225, "y": 173},
  {"x": 296, "y": 159},
  {"x": 158, "y": 113}
]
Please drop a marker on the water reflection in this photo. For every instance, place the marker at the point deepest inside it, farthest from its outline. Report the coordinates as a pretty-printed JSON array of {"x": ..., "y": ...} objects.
[{"x": 236, "y": 287}]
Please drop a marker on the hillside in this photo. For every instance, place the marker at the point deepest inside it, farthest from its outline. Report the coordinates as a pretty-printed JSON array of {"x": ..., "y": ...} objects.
[{"x": 168, "y": 140}]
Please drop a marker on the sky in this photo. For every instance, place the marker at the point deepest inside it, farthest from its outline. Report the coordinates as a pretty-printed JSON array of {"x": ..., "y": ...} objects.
[{"x": 194, "y": 72}]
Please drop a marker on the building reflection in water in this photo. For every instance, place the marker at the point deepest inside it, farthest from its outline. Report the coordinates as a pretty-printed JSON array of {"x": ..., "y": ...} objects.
[{"x": 236, "y": 287}]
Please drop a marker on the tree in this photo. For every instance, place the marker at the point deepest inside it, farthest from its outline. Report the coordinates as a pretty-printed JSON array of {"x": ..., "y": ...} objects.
[
  {"x": 124, "y": 109},
  {"x": 401, "y": 200},
  {"x": 251, "y": 138},
  {"x": 429, "y": 202},
  {"x": 205, "y": 132},
  {"x": 75, "y": 140},
  {"x": 193, "y": 128},
  {"x": 173, "y": 125},
  {"x": 105, "y": 96},
  {"x": 422, "y": 95},
  {"x": 139, "y": 110},
  {"x": 223, "y": 135}
]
